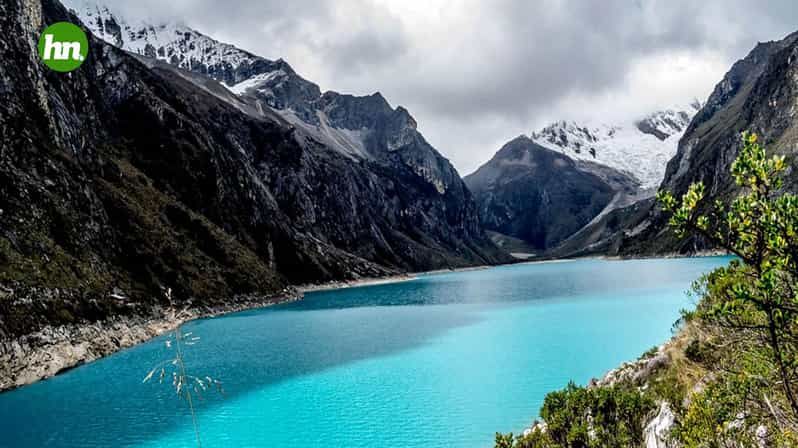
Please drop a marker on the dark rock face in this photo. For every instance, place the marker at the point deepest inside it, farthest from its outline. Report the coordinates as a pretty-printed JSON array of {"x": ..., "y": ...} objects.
[
  {"x": 123, "y": 177},
  {"x": 365, "y": 129},
  {"x": 758, "y": 94},
  {"x": 540, "y": 196},
  {"x": 738, "y": 103}
]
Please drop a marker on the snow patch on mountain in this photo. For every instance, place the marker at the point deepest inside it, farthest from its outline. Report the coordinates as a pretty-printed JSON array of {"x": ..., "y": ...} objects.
[
  {"x": 255, "y": 82},
  {"x": 640, "y": 147}
]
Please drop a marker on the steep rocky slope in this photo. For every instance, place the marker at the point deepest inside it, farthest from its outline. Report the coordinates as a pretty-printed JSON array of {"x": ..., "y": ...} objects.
[
  {"x": 362, "y": 128},
  {"x": 129, "y": 175},
  {"x": 541, "y": 196},
  {"x": 759, "y": 94},
  {"x": 175, "y": 44},
  {"x": 366, "y": 130}
]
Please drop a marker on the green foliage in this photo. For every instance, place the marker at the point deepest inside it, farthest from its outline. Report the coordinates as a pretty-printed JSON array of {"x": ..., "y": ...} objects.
[
  {"x": 610, "y": 416},
  {"x": 697, "y": 351},
  {"x": 504, "y": 440},
  {"x": 589, "y": 417},
  {"x": 668, "y": 386},
  {"x": 724, "y": 414},
  {"x": 535, "y": 439},
  {"x": 752, "y": 304},
  {"x": 650, "y": 352}
]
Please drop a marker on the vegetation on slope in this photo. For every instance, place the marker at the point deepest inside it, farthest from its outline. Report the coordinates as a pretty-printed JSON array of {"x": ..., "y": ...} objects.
[{"x": 730, "y": 376}]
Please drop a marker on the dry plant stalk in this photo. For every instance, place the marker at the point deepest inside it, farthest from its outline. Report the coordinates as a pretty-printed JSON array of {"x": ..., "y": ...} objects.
[{"x": 186, "y": 386}]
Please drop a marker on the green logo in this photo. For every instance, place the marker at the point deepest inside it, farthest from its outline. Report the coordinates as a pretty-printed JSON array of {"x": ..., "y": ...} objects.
[{"x": 63, "y": 46}]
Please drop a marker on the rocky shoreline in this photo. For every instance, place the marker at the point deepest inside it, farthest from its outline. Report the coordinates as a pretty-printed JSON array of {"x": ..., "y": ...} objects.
[
  {"x": 55, "y": 349},
  {"x": 356, "y": 283},
  {"x": 658, "y": 426}
]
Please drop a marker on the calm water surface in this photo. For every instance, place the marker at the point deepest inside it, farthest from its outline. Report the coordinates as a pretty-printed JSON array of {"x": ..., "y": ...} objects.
[{"x": 445, "y": 360}]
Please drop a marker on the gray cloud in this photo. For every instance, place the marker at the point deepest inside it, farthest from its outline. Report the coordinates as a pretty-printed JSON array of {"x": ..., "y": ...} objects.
[{"x": 476, "y": 74}]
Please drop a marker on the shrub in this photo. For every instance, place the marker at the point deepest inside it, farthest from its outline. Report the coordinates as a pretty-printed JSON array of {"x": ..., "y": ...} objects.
[
  {"x": 577, "y": 417},
  {"x": 752, "y": 304}
]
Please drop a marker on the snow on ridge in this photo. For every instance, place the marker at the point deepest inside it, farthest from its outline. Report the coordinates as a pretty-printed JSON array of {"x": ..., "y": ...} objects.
[
  {"x": 255, "y": 81},
  {"x": 174, "y": 43},
  {"x": 191, "y": 50},
  {"x": 641, "y": 147}
]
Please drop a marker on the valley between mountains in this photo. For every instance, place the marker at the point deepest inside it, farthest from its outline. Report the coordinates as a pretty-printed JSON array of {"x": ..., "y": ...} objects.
[{"x": 173, "y": 160}]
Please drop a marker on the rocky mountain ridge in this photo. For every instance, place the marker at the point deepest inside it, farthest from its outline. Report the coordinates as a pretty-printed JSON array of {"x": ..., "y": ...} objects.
[
  {"x": 360, "y": 127},
  {"x": 365, "y": 129},
  {"x": 130, "y": 175},
  {"x": 176, "y": 44},
  {"x": 532, "y": 202},
  {"x": 758, "y": 94}
]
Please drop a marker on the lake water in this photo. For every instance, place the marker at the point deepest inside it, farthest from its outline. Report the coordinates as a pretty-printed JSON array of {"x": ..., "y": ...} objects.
[{"x": 445, "y": 360}]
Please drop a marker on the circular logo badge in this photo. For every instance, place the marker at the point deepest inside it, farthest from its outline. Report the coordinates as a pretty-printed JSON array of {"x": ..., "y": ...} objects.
[{"x": 63, "y": 46}]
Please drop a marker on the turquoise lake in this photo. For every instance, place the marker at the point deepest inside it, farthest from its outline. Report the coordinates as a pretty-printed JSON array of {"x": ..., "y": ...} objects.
[{"x": 445, "y": 360}]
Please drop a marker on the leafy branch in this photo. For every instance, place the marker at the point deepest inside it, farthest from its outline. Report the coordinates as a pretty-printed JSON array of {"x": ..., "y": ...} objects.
[{"x": 759, "y": 227}]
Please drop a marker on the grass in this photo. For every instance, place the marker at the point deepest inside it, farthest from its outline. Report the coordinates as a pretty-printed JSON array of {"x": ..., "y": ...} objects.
[{"x": 187, "y": 386}]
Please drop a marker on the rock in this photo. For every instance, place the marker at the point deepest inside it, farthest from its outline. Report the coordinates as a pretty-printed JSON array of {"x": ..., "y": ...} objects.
[
  {"x": 761, "y": 434},
  {"x": 657, "y": 431},
  {"x": 537, "y": 426},
  {"x": 635, "y": 372}
]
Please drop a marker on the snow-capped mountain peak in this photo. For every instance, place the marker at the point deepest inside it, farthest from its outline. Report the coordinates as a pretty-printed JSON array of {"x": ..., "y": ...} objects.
[
  {"x": 174, "y": 43},
  {"x": 666, "y": 123},
  {"x": 359, "y": 127},
  {"x": 639, "y": 147}
]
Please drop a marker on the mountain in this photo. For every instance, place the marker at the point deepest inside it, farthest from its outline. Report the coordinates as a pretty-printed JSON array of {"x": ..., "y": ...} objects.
[
  {"x": 130, "y": 175},
  {"x": 758, "y": 94},
  {"x": 360, "y": 127},
  {"x": 631, "y": 156},
  {"x": 640, "y": 147},
  {"x": 175, "y": 44},
  {"x": 365, "y": 130},
  {"x": 530, "y": 193},
  {"x": 542, "y": 191}
]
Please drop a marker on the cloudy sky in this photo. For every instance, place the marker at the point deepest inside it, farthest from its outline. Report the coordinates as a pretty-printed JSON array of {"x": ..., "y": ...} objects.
[{"x": 478, "y": 73}]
